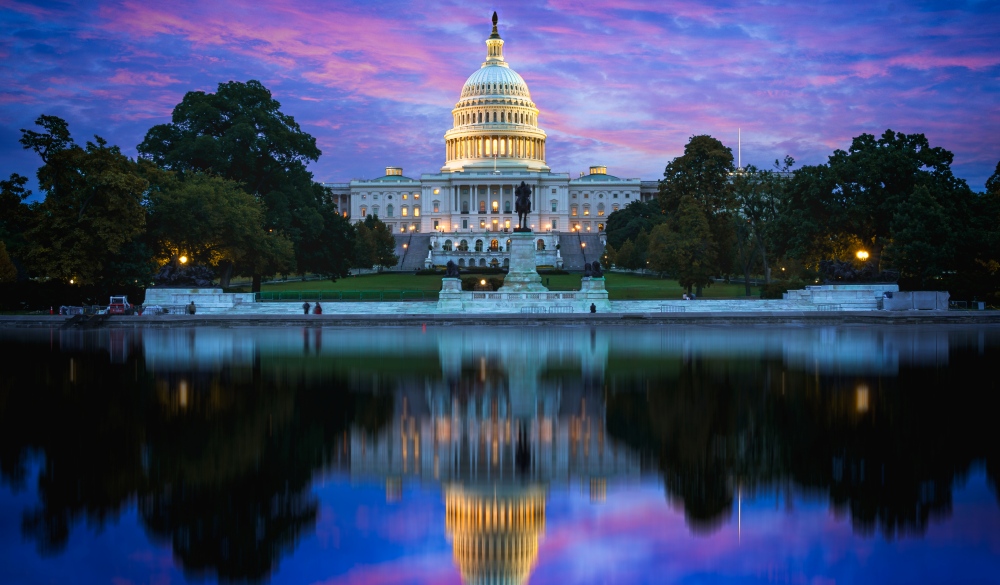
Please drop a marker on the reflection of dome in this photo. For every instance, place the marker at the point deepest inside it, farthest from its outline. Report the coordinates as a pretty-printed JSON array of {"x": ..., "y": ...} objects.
[
  {"x": 495, "y": 533},
  {"x": 495, "y": 121}
]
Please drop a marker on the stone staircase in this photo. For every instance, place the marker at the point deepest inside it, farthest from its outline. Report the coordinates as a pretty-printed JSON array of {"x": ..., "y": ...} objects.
[
  {"x": 412, "y": 257},
  {"x": 574, "y": 254},
  {"x": 842, "y": 297}
]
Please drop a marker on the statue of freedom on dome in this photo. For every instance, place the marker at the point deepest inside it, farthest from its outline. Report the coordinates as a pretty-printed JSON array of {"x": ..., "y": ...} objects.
[{"x": 522, "y": 205}]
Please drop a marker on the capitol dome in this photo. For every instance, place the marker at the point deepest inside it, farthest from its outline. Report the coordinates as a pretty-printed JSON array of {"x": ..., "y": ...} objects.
[{"x": 495, "y": 123}]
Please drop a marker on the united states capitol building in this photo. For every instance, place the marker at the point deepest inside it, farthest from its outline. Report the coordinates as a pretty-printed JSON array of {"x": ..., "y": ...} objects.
[{"x": 462, "y": 212}]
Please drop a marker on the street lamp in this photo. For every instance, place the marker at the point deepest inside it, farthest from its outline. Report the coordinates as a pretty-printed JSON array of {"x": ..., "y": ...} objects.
[
  {"x": 183, "y": 259},
  {"x": 862, "y": 255}
]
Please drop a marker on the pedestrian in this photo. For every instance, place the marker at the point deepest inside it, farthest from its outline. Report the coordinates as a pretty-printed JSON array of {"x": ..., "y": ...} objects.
[
  {"x": 318, "y": 310},
  {"x": 190, "y": 308},
  {"x": 305, "y": 308},
  {"x": 593, "y": 308}
]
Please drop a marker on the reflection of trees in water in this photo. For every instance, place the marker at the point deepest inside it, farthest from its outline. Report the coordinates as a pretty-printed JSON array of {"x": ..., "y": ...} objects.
[
  {"x": 220, "y": 463},
  {"x": 887, "y": 451}
]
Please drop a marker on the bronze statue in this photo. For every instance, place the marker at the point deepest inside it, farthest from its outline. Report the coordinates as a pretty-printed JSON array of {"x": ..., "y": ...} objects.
[
  {"x": 595, "y": 270},
  {"x": 451, "y": 270},
  {"x": 522, "y": 204}
]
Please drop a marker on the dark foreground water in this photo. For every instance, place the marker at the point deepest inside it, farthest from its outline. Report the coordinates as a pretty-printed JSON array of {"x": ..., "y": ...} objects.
[{"x": 551, "y": 455}]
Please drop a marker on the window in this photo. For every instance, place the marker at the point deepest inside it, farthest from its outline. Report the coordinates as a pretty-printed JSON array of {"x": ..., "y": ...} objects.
[
  {"x": 437, "y": 206},
  {"x": 447, "y": 246},
  {"x": 463, "y": 246},
  {"x": 614, "y": 196},
  {"x": 574, "y": 195},
  {"x": 416, "y": 211},
  {"x": 586, "y": 195},
  {"x": 375, "y": 196},
  {"x": 494, "y": 245},
  {"x": 479, "y": 245},
  {"x": 404, "y": 196},
  {"x": 572, "y": 210},
  {"x": 375, "y": 210},
  {"x": 540, "y": 244},
  {"x": 436, "y": 226},
  {"x": 364, "y": 196},
  {"x": 482, "y": 224},
  {"x": 601, "y": 196},
  {"x": 555, "y": 225},
  {"x": 586, "y": 210},
  {"x": 461, "y": 261},
  {"x": 405, "y": 211},
  {"x": 465, "y": 224},
  {"x": 482, "y": 207},
  {"x": 416, "y": 195},
  {"x": 389, "y": 196},
  {"x": 626, "y": 196},
  {"x": 496, "y": 207},
  {"x": 364, "y": 211},
  {"x": 465, "y": 207},
  {"x": 506, "y": 206},
  {"x": 553, "y": 191},
  {"x": 614, "y": 207},
  {"x": 600, "y": 209},
  {"x": 600, "y": 227},
  {"x": 388, "y": 210},
  {"x": 555, "y": 205}
]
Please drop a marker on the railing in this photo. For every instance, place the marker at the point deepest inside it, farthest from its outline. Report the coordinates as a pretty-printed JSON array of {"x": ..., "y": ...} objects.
[
  {"x": 556, "y": 309},
  {"x": 347, "y": 295},
  {"x": 519, "y": 296},
  {"x": 672, "y": 309}
]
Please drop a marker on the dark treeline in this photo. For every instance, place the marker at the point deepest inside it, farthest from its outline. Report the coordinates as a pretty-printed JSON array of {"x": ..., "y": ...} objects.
[
  {"x": 219, "y": 464},
  {"x": 893, "y": 197},
  {"x": 223, "y": 185},
  {"x": 885, "y": 450}
]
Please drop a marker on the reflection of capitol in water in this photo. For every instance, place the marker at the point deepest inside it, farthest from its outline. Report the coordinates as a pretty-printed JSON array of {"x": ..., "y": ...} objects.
[{"x": 501, "y": 424}]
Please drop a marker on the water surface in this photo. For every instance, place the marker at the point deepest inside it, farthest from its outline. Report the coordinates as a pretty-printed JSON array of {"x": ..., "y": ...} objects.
[{"x": 480, "y": 454}]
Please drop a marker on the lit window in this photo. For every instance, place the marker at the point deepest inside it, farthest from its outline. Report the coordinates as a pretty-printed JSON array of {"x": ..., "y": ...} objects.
[
  {"x": 404, "y": 196},
  {"x": 364, "y": 211},
  {"x": 437, "y": 206},
  {"x": 405, "y": 211},
  {"x": 416, "y": 211},
  {"x": 416, "y": 195},
  {"x": 600, "y": 209},
  {"x": 572, "y": 210},
  {"x": 496, "y": 207}
]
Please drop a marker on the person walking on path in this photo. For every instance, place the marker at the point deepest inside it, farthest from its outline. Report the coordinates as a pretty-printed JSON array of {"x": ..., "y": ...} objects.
[
  {"x": 305, "y": 308},
  {"x": 190, "y": 308},
  {"x": 318, "y": 310}
]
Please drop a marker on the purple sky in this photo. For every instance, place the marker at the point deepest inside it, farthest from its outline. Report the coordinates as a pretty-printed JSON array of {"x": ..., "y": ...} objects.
[{"x": 624, "y": 84}]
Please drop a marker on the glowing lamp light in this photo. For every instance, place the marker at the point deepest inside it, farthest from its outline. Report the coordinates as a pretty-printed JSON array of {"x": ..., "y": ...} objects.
[
  {"x": 72, "y": 280},
  {"x": 583, "y": 244},
  {"x": 482, "y": 282},
  {"x": 183, "y": 259},
  {"x": 862, "y": 255}
]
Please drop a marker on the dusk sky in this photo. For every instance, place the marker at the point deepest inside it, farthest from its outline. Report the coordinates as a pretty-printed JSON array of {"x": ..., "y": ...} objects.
[{"x": 622, "y": 83}]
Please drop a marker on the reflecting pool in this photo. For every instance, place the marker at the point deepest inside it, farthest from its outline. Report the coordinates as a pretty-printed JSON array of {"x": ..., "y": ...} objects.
[{"x": 478, "y": 455}]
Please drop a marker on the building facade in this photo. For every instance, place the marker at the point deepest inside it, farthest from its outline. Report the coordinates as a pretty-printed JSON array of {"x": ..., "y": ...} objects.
[{"x": 495, "y": 143}]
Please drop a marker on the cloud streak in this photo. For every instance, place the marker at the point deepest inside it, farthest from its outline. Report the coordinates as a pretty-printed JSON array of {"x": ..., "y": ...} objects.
[{"x": 623, "y": 83}]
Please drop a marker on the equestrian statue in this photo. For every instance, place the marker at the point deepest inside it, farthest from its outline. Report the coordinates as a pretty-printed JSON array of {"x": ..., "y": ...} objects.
[{"x": 522, "y": 204}]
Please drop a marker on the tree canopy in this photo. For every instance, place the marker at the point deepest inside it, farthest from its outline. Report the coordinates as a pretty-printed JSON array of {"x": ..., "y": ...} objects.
[
  {"x": 90, "y": 223},
  {"x": 241, "y": 134}
]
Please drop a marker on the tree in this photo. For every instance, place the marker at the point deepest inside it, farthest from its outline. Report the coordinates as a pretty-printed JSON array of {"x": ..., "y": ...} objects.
[
  {"x": 627, "y": 222},
  {"x": 240, "y": 133},
  {"x": 16, "y": 217},
  {"x": 8, "y": 273},
  {"x": 381, "y": 244},
  {"x": 757, "y": 195},
  {"x": 704, "y": 173},
  {"x": 626, "y": 255},
  {"x": 858, "y": 193},
  {"x": 684, "y": 246},
  {"x": 214, "y": 222},
  {"x": 92, "y": 215}
]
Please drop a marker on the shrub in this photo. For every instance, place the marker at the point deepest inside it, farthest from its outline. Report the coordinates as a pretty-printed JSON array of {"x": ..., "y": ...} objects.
[{"x": 777, "y": 288}]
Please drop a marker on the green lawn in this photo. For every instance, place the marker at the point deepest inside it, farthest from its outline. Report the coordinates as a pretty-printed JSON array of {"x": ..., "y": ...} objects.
[{"x": 395, "y": 285}]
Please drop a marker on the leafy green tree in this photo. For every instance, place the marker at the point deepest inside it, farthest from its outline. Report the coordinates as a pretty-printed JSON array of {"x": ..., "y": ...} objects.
[
  {"x": 704, "y": 173},
  {"x": 16, "y": 216},
  {"x": 214, "y": 222},
  {"x": 859, "y": 192},
  {"x": 757, "y": 196},
  {"x": 93, "y": 211},
  {"x": 8, "y": 272},
  {"x": 610, "y": 257},
  {"x": 382, "y": 244},
  {"x": 627, "y": 222},
  {"x": 625, "y": 257},
  {"x": 684, "y": 246},
  {"x": 640, "y": 253},
  {"x": 364, "y": 246},
  {"x": 240, "y": 133}
]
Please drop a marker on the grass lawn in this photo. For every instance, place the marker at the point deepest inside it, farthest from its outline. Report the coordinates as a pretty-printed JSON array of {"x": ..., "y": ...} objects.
[{"x": 620, "y": 286}]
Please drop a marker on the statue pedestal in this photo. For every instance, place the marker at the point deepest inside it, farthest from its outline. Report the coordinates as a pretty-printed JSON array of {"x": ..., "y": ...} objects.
[
  {"x": 450, "y": 298},
  {"x": 522, "y": 275},
  {"x": 593, "y": 291}
]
